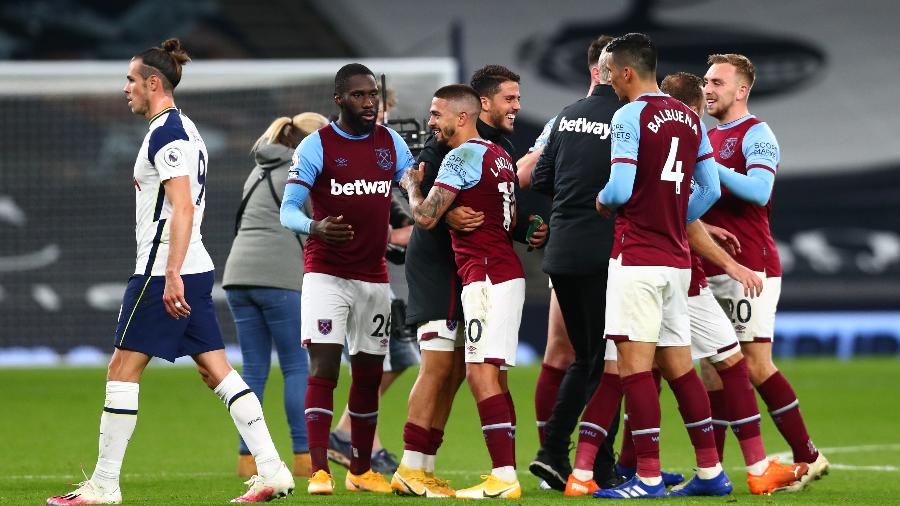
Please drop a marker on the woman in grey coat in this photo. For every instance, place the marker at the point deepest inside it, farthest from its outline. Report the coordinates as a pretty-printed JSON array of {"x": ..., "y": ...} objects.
[{"x": 262, "y": 280}]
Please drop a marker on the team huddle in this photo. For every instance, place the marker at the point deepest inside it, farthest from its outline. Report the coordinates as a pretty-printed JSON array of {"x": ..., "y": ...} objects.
[{"x": 690, "y": 272}]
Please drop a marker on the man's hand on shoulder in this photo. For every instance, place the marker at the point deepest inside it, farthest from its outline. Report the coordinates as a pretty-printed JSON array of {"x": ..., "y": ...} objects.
[
  {"x": 464, "y": 219},
  {"x": 332, "y": 230},
  {"x": 413, "y": 176}
]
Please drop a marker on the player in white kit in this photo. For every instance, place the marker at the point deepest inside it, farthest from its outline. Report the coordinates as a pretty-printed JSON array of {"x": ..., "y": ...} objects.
[{"x": 167, "y": 310}]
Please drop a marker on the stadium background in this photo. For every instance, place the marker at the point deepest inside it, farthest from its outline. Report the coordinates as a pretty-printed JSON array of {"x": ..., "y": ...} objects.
[{"x": 826, "y": 77}]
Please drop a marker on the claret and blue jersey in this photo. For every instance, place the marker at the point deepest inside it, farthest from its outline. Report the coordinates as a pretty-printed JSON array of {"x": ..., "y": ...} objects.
[
  {"x": 748, "y": 156},
  {"x": 658, "y": 147},
  {"x": 484, "y": 178},
  {"x": 350, "y": 176}
]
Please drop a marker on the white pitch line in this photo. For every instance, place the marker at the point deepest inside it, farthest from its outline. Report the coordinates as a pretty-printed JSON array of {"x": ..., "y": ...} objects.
[{"x": 461, "y": 472}]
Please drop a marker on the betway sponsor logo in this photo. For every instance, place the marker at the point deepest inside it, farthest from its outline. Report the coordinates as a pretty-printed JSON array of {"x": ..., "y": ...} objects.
[
  {"x": 582, "y": 125},
  {"x": 361, "y": 187}
]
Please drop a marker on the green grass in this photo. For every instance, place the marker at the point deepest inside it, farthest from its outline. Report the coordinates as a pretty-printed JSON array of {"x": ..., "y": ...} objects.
[{"x": 184, "y": 448}]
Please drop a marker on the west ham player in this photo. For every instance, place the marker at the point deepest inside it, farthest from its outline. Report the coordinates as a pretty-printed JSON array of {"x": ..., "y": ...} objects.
[
  {"x": 659, "y": 146},
  {"x": 167, "y": 310},
  {"x": 749, "y": 155},
  {"x": 712, "y": 337},
  {"x": 480, "y": 175},
  {"x": 346, "y": 169}
]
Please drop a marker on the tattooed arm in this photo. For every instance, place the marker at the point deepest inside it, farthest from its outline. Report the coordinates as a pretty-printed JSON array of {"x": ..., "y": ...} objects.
[{"x": 427, "y": 211}]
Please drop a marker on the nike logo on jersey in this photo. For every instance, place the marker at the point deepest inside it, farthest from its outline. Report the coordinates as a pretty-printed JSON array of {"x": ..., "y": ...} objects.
[
  {"x": 582, "y": 125},
  {"x": 361, "y": 187}
]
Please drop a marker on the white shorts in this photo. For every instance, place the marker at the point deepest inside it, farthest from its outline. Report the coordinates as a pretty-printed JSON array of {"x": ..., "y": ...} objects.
[
  {"x": 753, "y": 319},
  {"x": 332, "y": 308},
  {"x": 712, "y": 335},
  {"x": 647, "y": 304},
  {"x": 493, "y": 314},
  {"x": 440, "y": 335}
]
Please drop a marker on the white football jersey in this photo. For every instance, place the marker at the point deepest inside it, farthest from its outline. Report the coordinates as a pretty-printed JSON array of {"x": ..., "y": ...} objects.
[{"x": 172, "y": 148}]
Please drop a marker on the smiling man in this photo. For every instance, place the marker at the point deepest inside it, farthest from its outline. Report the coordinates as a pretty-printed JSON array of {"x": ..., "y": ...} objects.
[
  {"x": 346, "y": 169},
  {"x": 749, "y": 155},
  {"x": 478, "y": 174}
]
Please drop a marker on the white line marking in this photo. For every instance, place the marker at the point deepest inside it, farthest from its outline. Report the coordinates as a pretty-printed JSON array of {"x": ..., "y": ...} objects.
[{"x": 462, "y": 472}]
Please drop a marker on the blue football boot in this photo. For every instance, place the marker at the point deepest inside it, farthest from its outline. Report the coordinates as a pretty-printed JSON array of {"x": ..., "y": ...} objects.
[
  {"x": 633, "y": 489},
  {"x": 669, "y": 479},
  {"x": 718, "y": 486}
]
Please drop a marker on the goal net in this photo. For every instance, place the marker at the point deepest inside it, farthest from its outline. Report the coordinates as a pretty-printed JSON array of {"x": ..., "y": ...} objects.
[{"x": 68, "y": 144}]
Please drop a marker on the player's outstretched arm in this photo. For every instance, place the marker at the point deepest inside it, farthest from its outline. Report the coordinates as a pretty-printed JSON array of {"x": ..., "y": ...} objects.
[
  {"x": 331, "y": 229},
  {"x": 525, "y": 166},
  {"x": 754, "y": 187},
  {"x": 762, "y": 155},
  {"x": 704, "y": 245}
]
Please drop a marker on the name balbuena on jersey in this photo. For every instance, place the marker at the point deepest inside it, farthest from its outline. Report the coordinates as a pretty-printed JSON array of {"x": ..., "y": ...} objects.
[
  {"x": 664, "y": 139},
  {"x": 172, "y": 148},
  {"x": 484, "y": 178}
]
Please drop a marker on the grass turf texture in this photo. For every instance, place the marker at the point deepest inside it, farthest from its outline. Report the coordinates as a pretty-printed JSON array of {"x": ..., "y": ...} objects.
[{"x": 184, "y": 449}]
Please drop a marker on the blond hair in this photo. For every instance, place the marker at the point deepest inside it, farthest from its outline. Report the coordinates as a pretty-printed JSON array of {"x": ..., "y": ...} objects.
[
  {"x": 742, "y": 65},
  {"x": 278, "y": 132}
]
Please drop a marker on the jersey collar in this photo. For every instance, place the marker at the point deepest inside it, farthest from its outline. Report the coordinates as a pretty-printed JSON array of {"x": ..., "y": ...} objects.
[
  {"x": 348, "y": 135},
  {"x": 160, "y": 113},
  {"x": 734, "y": 123}
]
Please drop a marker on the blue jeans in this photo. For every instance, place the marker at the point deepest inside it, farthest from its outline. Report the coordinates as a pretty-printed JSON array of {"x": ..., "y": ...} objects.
[{"x": 263, "y": 316}]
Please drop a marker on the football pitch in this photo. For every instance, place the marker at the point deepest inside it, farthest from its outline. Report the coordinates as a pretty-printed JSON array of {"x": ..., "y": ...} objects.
[{"x": 184, "y": 449}]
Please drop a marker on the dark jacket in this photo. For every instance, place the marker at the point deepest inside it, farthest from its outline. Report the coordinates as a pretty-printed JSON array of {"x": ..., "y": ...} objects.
[
  {"x": 573, "y": 168},
  {"x": 434, "y": 285}
]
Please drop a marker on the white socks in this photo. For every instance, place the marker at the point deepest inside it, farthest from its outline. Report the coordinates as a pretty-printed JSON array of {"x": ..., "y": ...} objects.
[
  {"x": 758, "y": 468},
  {"x": 505, "y": 473},
  {"x": 247, "y": 414},
  {"x": 708, "y": 473},
  {"x": 653, "y": 481},
  {"x": 428, "y": 463},
  {"x": 413, "y": 460},
  {"x": 583, "y": 475},
  {"x": 116, "y": 427}
]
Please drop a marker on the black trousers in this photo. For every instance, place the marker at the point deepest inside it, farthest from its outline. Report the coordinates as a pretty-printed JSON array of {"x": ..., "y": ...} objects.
[{"x": 582, "y": 299}]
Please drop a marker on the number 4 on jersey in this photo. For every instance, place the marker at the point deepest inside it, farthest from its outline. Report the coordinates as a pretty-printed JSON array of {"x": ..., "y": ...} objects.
[{"x": 671, "y": 171}]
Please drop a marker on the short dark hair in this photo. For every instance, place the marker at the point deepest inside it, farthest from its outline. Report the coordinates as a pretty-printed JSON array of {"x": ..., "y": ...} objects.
[
  {"x": 634, "y": 50},
  {"x": 164, "y": 61},
  {"x": 346, "y": 72},
  {"x": 684, "y": 86},
  {"x": 486, "y": 81},
  {"x": 596, "y": 48},
  {"x": 461, "y": 93}
]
